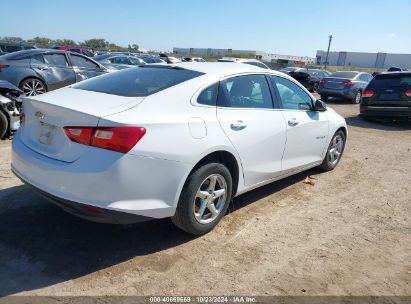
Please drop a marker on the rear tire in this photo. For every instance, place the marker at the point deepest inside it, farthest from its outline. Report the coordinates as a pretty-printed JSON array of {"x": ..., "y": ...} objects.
[
  {"x": 315, "y": 87},
  {"x": 324, "y": 97},
  {"x": 33, "y": 86},
  {"x": 4, "y": 124},
  {"x": 357, "y": 98},
  {"x": 334, "y": 152},
  {"x": 202, "y": 205}
]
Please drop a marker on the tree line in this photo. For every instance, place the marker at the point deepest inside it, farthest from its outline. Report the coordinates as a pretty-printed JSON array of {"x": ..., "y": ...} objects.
[{"x": 95, "y": 43}]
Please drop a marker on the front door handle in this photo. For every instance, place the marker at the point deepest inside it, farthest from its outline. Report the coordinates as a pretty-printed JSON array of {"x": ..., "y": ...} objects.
[
  {"x": 238, "y": 125},
  {"x": 293, "y": 122}
]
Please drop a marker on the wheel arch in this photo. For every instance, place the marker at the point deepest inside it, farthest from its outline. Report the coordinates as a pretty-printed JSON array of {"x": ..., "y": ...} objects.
[{"x": 227, "y": 159}]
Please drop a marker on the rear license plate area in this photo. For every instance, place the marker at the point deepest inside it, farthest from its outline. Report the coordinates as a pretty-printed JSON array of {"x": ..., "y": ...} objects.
[{"x": 46, "y": 133}]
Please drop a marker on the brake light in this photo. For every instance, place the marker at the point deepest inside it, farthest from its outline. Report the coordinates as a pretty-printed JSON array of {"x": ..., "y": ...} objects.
[
  {"x": 120, "y": 139},
  {"x": 348, "y": 84},
  {"x": 2, "y": 66},
  {"x": 323, "y": 81},
  {"x": 408, "y": 93},
  {"x": 79, "y": 135},
  {"x": 368, "y": 93}
]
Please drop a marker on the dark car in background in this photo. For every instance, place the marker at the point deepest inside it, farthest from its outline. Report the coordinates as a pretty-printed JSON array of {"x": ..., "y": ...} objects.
[
  {"x": 309, "y": 78},
  {"x": 388, "y": 96},
  {"x": 287, "y": 70},
  {"x": 6, "y": 48},
  {"x": 40, "y": 70},
  {"x": 345, "y": 84},
  {"x": 118, "y": 62}
]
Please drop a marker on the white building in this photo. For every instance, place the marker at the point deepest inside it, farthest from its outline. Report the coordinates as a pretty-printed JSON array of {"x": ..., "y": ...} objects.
[{"x": 364, "y": 60}]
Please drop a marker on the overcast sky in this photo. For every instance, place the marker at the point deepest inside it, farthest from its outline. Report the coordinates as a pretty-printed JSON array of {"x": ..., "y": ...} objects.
[{"x": 284, "y": 27}]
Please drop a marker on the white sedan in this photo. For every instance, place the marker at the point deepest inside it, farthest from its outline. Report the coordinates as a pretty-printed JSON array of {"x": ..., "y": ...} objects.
[{"x": 173, "y": 141}]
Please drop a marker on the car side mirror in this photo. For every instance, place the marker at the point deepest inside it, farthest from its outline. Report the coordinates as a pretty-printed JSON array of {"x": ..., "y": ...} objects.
[{"x": 320, "y": 106}]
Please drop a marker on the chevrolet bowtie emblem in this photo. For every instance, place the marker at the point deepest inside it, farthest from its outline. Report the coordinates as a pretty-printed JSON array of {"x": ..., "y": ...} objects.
[{"x": 39, "y": 115}]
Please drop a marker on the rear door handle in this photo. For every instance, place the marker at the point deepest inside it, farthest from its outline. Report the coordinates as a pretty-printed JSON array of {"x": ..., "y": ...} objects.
[
  {"x": 293, "y": 122},
  {"x": 238, "y": 125}
]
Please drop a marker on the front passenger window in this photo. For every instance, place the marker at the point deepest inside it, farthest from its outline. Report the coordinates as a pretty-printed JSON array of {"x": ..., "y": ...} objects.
[{"x": 291, "y": 95}]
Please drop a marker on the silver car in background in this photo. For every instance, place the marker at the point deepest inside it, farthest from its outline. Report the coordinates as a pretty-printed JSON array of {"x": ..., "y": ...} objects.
[
  {"x": 345, "y": 84},
  {"x": 38, "y": 71}
]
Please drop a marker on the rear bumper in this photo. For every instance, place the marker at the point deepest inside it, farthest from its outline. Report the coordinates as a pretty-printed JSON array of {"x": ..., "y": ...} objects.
[
  {"x": 385, "y": 112},
  {"x": 88, "y": 212},
  {"x": 337, "y": 93},
  {"x": 125, "y": 183}
]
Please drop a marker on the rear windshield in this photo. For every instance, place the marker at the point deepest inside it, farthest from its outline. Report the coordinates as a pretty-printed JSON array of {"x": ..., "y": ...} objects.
[
  {"x": 141, "y": 81},
  {"x": 349, "y": 75},
  {"x": 391, "y": 80}
]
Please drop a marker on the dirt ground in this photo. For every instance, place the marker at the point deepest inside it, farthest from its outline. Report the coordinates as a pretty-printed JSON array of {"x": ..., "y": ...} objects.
[{"x": 348, "y": 234}]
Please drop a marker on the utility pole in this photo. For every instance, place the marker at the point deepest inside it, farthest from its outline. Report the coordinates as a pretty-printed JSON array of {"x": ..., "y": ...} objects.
[{"x": 330, "y": 38}]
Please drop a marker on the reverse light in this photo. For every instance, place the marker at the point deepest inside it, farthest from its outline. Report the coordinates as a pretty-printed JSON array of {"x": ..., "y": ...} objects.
[
  {"x": 368, "y": 93},
  {"x": 408, "y": 93},
  {"x": 348, "y": 84},
  {"x": 120, "y": 139}
]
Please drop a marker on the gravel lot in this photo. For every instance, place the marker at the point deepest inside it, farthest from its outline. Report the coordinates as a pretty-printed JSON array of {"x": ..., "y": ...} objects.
[{"x": 348, "y": 234}]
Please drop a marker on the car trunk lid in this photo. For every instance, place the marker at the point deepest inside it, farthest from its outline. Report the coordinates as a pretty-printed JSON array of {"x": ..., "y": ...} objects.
[
  {"x": 335, "y": 83},
  {"x": 46, "y": 115}
]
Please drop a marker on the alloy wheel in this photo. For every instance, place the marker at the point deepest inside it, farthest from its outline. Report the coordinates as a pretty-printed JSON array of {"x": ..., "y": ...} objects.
[
  {"x": 33, "y": 87},
  {"x": 358, "y": 97},
  {"x": 336, "y": 149},
  {"x": 210, "y": 198}
]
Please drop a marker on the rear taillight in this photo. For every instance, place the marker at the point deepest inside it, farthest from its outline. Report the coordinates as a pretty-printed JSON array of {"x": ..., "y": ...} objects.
[
  {"x": 348, "y": 84},
  {"x": 2, "y": 66},
  {"x": 408, "y": 93},
  {"x": 323, "y": 81},
  {"x": 120, "y": 139},
  {"x": 79, "y": 135},
  {"x": 368, "y": 93}
]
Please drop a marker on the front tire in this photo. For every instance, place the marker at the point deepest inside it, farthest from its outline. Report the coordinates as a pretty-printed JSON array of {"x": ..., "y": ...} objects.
[
  {"x": 4, "y": 125},
  {"x": 334, "y": 152},
  {"x": 204, "y": 199}
]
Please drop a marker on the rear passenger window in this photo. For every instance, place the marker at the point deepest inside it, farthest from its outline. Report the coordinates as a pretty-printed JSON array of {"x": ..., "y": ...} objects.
[
  {"x": 208, "y": 96},
  {"x": 37, "y": 59},
  {"x": 55, "y": 59},
  {"x": 250, "y": 91}
]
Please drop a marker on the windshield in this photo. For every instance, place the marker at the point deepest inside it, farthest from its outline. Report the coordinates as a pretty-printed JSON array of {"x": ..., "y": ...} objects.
[{"x": 141, "y": 81}]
